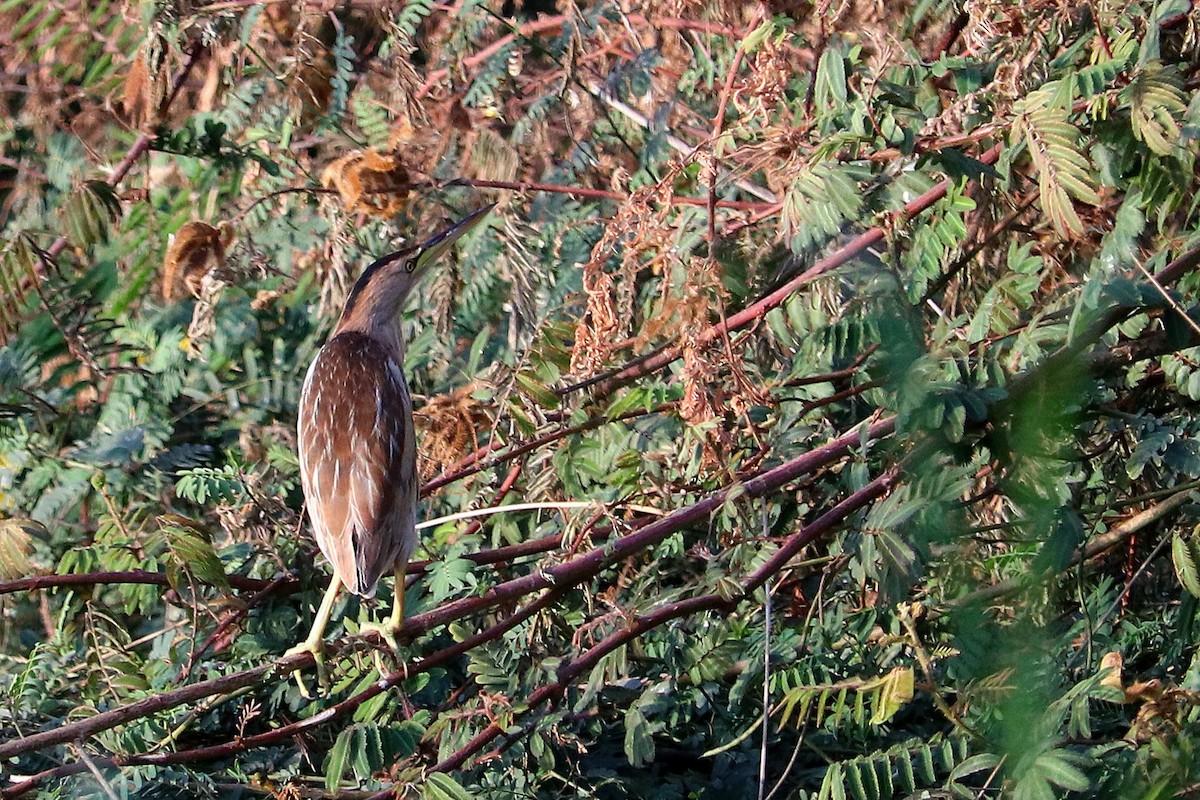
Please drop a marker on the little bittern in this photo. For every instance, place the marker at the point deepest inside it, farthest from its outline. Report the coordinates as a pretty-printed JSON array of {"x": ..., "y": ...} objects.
[{"x": 357, "y": 449}]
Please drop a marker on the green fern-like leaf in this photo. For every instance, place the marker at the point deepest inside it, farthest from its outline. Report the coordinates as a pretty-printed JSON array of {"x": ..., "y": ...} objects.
[
  {"x": 1156, "y": 101},
  {"x": 1050, "y": 773},
  {"x": 18, "y": 271},
  {"x": 191, "y": 555},
  {"x": 1063, "y": 170},
  {"x": 907, "y": 767},
  {"x": 343, "y": 71},
  {"x": 339, "y": 758},
  {"x": 492, "y": 74},
  {"x": 372, "y": 118},
  {"x": 439, "y": 786},
  {"x": 89, "y": 213},
  {"x": 1096, "y": 78},
  {"x": 410, "y": 17},
  {"x": 1185, "y": 558},
  {"x": 201, "y": 483}
]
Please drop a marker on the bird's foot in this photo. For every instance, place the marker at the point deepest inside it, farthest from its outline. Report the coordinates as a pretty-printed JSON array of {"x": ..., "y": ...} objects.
[
  {"x": 388, "y": 632},
  {"x": 317, "y": 648}
]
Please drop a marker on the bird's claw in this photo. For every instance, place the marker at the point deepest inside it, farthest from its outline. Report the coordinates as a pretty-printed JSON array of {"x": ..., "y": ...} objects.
[
  {"x": 387, "y": 631},
  {"x": 318, "y": 653}
]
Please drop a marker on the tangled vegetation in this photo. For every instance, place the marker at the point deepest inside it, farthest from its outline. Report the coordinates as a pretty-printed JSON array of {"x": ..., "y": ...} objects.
[{"x": 833, "y": 369}]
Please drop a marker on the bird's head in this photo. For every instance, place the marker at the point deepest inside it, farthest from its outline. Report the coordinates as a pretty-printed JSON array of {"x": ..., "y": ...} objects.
[{"x": 380, "y": 291}]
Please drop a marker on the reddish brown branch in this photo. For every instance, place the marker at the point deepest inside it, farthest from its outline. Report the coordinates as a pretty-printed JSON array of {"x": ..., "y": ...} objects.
[
  {"x": 86, "y": 728},
  {"x": 648, "y": 535},
  {"x": 132, "y": 576},
  {"x": 718, "y": 129},
  {"x": 283, "y": 733},
  {"x": 569, "y": 672},
  {"x": 472, "y": 463},
  {"x": 756, "y": 311},
  {"x": 231, "y": 617},
  {"x": 552, "y": 580},
  {"x": 546, "y": 24},
  {"x": 505, "y": 487}
]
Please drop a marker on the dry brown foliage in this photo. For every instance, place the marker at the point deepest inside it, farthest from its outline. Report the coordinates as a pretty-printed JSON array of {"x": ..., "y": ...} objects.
[
  {"x": 448, "y": 424},
  {"x": 369, "y": 182},
  {"x": 195, "y": 251}
]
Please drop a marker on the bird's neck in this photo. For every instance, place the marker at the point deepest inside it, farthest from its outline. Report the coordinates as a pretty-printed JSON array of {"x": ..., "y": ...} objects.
[
  {"x": 374, "y": 305},
  {"x": 386, "y": 332}
]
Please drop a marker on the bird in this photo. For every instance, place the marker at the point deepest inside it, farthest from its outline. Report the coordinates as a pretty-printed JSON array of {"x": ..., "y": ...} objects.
[{"x": 356, "y": 442}]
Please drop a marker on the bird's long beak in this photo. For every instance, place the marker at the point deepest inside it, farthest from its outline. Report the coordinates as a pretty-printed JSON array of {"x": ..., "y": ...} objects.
[{"x": 432, "y": 249}]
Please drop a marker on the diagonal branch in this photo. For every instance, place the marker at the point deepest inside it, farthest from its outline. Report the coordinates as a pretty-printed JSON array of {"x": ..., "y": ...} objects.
[
  {"x": 144, "y": 139},
  {"x": 135, "y": 576},
  {"x": 571, "y": 671},
  {"x": 550, "y": 582},
  {"x": 757, "y": 310}
]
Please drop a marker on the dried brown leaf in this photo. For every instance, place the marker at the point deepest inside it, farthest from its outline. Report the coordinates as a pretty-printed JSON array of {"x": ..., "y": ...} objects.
[
  {"x": 195, "y": 250},
  {"x": 369, "y": 181},
  {"x": 448, "y": 425}
]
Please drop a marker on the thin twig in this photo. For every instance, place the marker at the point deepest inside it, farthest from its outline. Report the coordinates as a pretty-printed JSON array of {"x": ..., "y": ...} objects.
[
  {"x": 1115, "y": 535},
  {"x": 92, "y": 768},
  {"x": 719, "y": 130},
  {"x": 487, "y": 512},
  {"x": 766, "y": 687},
  {"x": 755, "y": 311},
  {"x": 135, "y": 576},
  {"x": 677, "y": 144},
  {"x": 144, "y": 139}
]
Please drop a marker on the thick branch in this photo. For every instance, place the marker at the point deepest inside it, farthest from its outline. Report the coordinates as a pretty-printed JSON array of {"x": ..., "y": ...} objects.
[
  {"x": 569, "y": 672},
  {"x": 132, "y": 576},
  {"x": 551, "y": 581},
  {"x": 650, "y": 534},
  {"x": 86, "y": 728},
  {"x": 1095, "y": 547}
]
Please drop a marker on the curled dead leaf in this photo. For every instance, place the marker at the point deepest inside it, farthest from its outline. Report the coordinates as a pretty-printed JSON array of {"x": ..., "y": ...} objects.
[
  {"x": 448, "y": 424},
  {"x": 136, "y": 97},
  {"x": 144, "y": 84},
  {"x": 1113, "y": 662},
  {"x": 264, "y": 299},
  {"x": 194, "y": 251},
  {"x": 368, "y": 181},
  {"x": 1160, "y": 704},
  {"x": 16, "y": 546}
]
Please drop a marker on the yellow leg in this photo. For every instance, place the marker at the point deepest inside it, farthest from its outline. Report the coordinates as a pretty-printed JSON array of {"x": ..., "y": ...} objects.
[
  {"x": 315, "y": 643},
  {"x": 388, "y": 630}
]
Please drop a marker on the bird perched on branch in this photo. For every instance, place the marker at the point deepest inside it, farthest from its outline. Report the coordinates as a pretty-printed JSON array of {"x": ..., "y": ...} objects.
[{"x": 356, "y": 440}]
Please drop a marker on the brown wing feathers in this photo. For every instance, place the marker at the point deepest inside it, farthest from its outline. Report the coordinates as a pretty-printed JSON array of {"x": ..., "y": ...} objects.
[{"x": 356, "y": 420}]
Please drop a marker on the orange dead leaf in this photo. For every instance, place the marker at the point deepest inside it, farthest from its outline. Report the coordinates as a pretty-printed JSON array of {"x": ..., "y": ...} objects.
[
  {"x": 1161, "y": 704},
  {"x": 194, "y": 251},
  {"x": 145, "y": 84},
  {"x": 598, "y": 327},
  {"x": 368, "y": 181},
  {"x": 448, "y": 424},
  {"x": 136, "y": 98},
  {"x": 281, "y": 20},
  {"x": 1113, "y": 662}
]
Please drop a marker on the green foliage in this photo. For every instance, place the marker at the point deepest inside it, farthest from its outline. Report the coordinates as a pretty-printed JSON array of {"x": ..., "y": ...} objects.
[
  {"x": 1043, "y": 123},
  {"x": 367, "y": 749},
  {"x": 909, "y": 767},
  {"x": 922, "y": 522}
]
